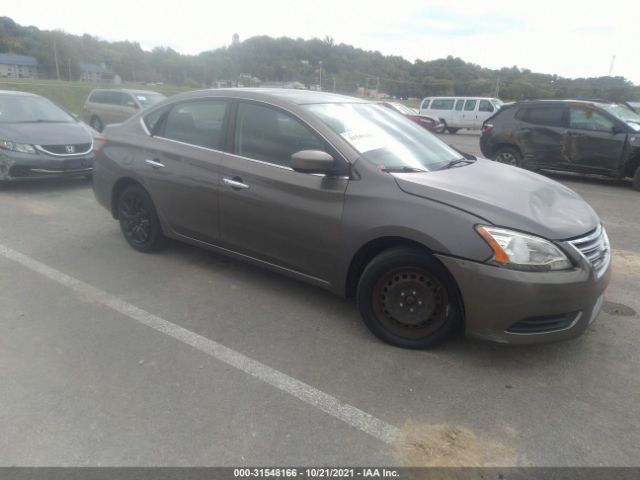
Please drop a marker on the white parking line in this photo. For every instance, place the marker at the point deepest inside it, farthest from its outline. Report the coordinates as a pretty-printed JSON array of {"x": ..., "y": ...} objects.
[{"x": 317, "y": 398}]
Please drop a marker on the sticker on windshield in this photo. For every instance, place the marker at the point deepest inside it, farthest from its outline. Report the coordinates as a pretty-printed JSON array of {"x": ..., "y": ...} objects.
[
  {"x": 141, "y": 98},
  {"x": 363, "y": 141}
]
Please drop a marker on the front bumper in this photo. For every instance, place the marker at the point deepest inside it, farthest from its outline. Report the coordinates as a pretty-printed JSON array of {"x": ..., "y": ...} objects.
[
  {"x": 510, "y": 306},
  {"x": 20, "y": 166}
]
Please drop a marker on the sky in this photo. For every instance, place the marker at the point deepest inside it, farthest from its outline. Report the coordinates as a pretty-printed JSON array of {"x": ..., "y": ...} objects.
[{"x": 569, "y": 38}]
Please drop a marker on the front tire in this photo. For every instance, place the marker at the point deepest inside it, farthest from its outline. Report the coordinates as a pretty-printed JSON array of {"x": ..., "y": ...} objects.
[
  {"x": 452, "y": 130},
  {"x": 96, "y": 123},
  {"x": 138, "y": 220},
  {"x": 508, "y": 156},
  {"x": 635, "y": 180},
  {"x": 408, "y": 299}
]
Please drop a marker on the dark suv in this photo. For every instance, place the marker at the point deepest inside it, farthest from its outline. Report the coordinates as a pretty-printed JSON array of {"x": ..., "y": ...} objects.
[{"x": 570, "y": 135}]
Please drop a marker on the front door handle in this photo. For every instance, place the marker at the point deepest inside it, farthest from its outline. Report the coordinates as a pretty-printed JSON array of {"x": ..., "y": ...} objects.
[
  {"x": 154, "y": 164},
  {"x": 236, "y": 183}
]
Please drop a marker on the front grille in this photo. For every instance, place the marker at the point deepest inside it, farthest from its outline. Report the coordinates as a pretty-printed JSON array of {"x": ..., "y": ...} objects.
[
  {"x": 595, "y": 248},
  {"x": 546, "y": 324},
  {"x": 78, "y": 149}
]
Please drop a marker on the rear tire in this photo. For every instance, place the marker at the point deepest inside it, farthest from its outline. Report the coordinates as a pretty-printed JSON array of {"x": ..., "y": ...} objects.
[
  {"x": 138, "y": 220},
  {"x": 452, "y": 130},
  {"x": 408, "y": 299},
  {"x": 635, "y": 180},
  {"x": 508, "y": 156},
  {"x": 96, "y": 123}
]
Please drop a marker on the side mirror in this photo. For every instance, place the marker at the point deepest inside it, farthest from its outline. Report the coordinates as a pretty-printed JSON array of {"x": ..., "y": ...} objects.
[
  {"x": 312, "y": 161},
  {"x": 616, "y": 130}
]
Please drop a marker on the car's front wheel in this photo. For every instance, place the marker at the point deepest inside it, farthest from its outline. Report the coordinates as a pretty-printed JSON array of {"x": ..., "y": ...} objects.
[
  {"x": 96, "y": 123},
  {"x": 635, "y": 180},
  {"x": 138, "y": 219},
  {"x": 407, "y": 298},
  {"x": 509, "y": 156}
]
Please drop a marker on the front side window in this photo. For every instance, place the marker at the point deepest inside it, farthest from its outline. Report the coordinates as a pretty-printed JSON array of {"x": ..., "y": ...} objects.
[
  {"x": 114, "y": 98},
  {"x": 469, "y": 105},
  {"x": 270, "y": 135},
  {"x": 485, "y": 106},
  {"x": 586, "y": 118},
  {"x": 389, "y": 141},
  {"x": 197, "y": 123}
]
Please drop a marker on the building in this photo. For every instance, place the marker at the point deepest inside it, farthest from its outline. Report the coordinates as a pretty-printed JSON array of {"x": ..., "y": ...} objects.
[
  {"x": 96, "y": 73},
  {"x": 18, "y": 66}
]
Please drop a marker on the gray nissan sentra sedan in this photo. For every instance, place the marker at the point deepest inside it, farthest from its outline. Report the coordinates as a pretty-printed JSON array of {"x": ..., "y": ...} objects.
[
  {"x": 40, "y": 140},
  {"x": 353, "y": 197}
]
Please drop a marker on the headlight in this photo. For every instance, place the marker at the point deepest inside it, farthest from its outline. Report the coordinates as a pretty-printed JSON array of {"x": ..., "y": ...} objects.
[
  {"x": 523, "y": 252},
  {"x": 17, "y": 147}
]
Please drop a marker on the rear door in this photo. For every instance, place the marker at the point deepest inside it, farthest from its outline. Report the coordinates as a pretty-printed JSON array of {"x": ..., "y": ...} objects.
[
  {"x": 539, "y": 133},
  {"x": 181, "y": 167},
  {"x": 270, "y": 212},
  {"x": 590, "y": 142}
]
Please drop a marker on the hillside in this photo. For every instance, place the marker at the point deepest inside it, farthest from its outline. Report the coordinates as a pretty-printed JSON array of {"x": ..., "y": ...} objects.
[{"x": 344, "y": 68}]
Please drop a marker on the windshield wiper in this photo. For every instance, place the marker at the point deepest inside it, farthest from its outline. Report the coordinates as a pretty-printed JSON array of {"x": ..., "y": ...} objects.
[
  {"x": 457, "y": 161},
  {"x": 403, "y": 170}
]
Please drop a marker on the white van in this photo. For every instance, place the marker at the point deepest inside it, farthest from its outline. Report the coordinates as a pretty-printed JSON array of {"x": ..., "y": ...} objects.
[{"x": 460, "y": 112}]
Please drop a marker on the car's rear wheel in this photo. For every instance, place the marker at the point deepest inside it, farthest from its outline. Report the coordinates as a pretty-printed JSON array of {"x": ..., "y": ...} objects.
[
  {"x": 509, "y": 156},
  {"x": 407, "y": 298},
  {"x": 635, "y": 180},
  {"x": 452, "y": 130},
  {"x": 138, "y": 219},
  {"x": 96, "y": 123}
]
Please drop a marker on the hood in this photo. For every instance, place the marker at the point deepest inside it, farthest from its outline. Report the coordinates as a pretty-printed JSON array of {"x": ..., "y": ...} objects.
[
  {"x": 506, "y": 196},
  {"x": 45, "y": 133}
]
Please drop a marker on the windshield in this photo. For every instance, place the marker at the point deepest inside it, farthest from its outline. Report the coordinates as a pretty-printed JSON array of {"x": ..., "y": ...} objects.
[
  {"x": 27, "y": 109},
  {"x": 147, "y": 99},
  {"x": 384, "y": 138},
  {"x": 625, "y": 114}
]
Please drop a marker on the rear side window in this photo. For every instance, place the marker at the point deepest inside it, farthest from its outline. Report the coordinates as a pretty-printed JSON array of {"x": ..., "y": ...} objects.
[
  {"x": 470, "y": 105},
  {"x": 267, "y": 134},
  {"x": 459, "y": 105},
  {"x": 196, "y": 123},
  {"x": 549, "y": 116},
  {"x": 152, "y": 119},
  {"x": 442, "y": 104},
  {"x": 485, "y": 106}
]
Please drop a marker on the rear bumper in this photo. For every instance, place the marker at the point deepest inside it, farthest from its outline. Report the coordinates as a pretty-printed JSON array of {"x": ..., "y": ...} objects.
[
  {"x": 516, "y": 307},
  {"x": 20, "y": 167}
]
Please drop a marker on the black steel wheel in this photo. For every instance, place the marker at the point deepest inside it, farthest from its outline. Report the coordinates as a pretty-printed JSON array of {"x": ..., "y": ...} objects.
[
  {"x": 96, "y": 123},
  {"x": 138, "y": 219},
  {"x": 509, "y": 156},
  {"x": 408, "y": 299}
]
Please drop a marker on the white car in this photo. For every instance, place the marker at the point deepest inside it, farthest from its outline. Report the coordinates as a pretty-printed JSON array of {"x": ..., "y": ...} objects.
[{"x": 460, "y": 112}]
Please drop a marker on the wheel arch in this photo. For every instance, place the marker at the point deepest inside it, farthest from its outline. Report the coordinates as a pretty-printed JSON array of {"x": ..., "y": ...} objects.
[{"x": 498, "y": 146}]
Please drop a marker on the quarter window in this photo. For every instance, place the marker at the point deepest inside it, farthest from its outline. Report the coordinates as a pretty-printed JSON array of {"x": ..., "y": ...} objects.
[
  {"x": 585, "y": 118},
  {"x": 266, "y": 134},
  {"x": 197, "y": 123}
]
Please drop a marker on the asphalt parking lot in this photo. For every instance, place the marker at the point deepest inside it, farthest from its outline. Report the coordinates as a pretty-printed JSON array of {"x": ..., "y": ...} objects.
[{"x": 112, "y": 357}]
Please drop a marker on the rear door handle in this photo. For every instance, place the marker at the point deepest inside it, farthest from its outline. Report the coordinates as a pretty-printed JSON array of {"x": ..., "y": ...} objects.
[
  {"x": 154, "y": 164},
  {"x": 236, "y": 183}
]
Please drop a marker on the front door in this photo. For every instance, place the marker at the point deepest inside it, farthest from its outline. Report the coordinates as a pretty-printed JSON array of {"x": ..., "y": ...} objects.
[
  {"x": 591, "y": 142},
  {"x": 270, "y": 212}
]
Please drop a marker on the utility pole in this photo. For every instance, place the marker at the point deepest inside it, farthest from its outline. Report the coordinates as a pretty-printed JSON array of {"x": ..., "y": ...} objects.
[
  {"x": 55, "y": 56},
  {"x": 378, "y": 87},
  {"x": 497, "y": 87},
  {"x": 69, "y": 64},
  {"x": 320, "y": 63},
  {"x": 613, "y": 59},
  {"x": 334, "y": 84}
]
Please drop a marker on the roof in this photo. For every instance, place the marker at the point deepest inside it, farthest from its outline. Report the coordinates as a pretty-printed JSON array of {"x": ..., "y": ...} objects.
[
  {"x": 18, "y": 93},
  {"x": 299, "y": 97},
  {"x": 24, "y": 60}
]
